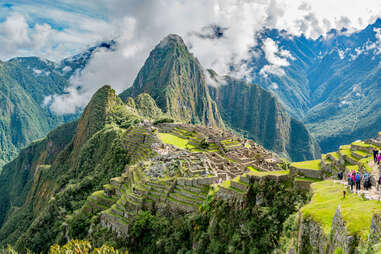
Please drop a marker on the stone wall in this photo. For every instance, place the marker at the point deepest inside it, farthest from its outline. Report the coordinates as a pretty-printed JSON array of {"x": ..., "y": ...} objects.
[{"x": 306, "y": 172}]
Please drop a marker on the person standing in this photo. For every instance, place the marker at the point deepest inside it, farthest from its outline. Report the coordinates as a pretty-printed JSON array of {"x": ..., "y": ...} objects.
[
  {"x": 358, "y": 181},
  {"x": 367, "y": 183},
  {"x": 375, "y": 153},
  {"x": 353, "y": 180}
]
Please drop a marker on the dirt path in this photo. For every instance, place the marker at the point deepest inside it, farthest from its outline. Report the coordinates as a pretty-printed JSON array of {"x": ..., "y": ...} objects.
[{"x": 372, "y": 193}]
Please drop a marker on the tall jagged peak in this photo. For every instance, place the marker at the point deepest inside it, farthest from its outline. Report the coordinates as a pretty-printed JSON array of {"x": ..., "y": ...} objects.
[
  {"x": 175, "y": 79},
  {"x": 172, "y": 40},
  {"x": 95, "y": 114}
]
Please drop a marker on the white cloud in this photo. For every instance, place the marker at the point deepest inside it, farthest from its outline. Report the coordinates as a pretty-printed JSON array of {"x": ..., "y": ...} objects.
[
  {"x": 139, "y": 25},
  {"x": 276, "y": 57},
  {"x": 274, "y": 86}
]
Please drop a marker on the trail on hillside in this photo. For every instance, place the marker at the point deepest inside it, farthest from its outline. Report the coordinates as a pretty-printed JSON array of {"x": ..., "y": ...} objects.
[{"x": 373, "y": 193}]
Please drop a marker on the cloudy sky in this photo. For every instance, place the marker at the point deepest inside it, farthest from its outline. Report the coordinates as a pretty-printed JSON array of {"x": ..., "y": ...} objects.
[{"x": 61, "y": 28}]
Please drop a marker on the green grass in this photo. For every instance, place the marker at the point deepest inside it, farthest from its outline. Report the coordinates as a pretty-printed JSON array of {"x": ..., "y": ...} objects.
[
  {"x": 273, "y": 173},
  {"x": 251, "y": 168},
  {"x": 345, "y": 147},
  {"x": 307, "y": 179},
  {"x": 335, "y": 155},
  {"x": 365, "y": 163},
  {"x": 350, "y": 167},
  {"x": 356, "y": 212},
  {"x": 362, "y": 153},
  {"x": 361, "y": 143},
  {"x": 226, "y": 184},
  {"x": 314, "y": 164},
  {"x": 348, "y": 153},
  {"x": 171, "y": 139},
  {"x": 345, "y": 151}
]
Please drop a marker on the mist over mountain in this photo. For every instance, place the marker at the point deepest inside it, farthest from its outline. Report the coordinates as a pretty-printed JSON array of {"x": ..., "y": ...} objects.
[{"x": 329, "y": 83}]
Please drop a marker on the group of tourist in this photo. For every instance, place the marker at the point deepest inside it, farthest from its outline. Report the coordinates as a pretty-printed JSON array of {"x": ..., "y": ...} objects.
[
  {"x": 377, "y": 156},
  {"x": 356, "y": 178}
]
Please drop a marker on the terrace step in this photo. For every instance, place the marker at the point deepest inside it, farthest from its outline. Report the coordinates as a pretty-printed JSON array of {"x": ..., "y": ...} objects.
[
  {"x": 184, "y": 206},
  {"x": 190, "y": 194},
  {"x": 239, "y": 185},
  {"x": 184, "y": 198}
]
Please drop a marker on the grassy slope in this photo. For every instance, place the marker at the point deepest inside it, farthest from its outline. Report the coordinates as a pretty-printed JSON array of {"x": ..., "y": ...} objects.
[
  {"x": 356, "y": 212},
  {"x": 314, "y": 164}
]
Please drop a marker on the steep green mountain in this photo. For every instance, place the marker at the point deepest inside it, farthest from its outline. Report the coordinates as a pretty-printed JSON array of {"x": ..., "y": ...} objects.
[
  {"x": 53, "y": 177},
  {"x": 24, "y": 83},
  {"x": 45, "y": 191},
  {"x": 175, "y": 80},
  {"x": 330, "y": 84},
  {"x": 117, "y": 179},
  {"x": 257, "y": 114}
]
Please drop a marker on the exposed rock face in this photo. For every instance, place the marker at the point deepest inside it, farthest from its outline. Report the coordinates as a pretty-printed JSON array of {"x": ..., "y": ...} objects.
[
  {"x": 339, "y": 237},
  {"x": 311, "y": 238},
  {"x": 175, "y": 80},
  {"x": 257, "y": 114},
  {"x": 375, "y": 229}
]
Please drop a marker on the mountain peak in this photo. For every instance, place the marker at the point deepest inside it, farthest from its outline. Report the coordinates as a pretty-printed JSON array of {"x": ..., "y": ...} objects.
[
  {"x": 94, "y": 116},
  {"x": 174, "y": 79},
  {"x": 172, "y": 40}
]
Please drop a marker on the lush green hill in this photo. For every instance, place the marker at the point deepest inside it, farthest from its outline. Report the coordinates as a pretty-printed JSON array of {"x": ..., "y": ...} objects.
[
  {"x": 24, "y": 83},
  {"x": 116, "y": 178},
  {"x": 114, "y": 166},
  {"x": 52, "y": 177}
]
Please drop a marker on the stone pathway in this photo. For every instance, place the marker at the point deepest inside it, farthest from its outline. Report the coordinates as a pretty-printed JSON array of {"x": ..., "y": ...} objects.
[{"x": 372, "y": 193}]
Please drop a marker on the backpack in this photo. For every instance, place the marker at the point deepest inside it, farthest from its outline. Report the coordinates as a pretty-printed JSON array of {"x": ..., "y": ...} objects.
[{"x": 357, "y": 178}]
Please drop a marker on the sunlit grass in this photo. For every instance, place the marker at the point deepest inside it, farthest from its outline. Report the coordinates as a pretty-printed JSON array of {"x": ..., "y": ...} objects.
[
  {"x": 314, "y": 164},
  {"x": 356, "y": 212}
]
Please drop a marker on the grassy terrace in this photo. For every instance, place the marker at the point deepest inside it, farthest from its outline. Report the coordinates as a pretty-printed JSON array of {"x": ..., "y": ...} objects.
[
  {"x": 307, "y": 179},
  {"x": 335, "y": 155},
  {"x": 365, "y": 163},
  {"x": 348, "y": 153},
  {"x": 171, "y": 139},
  {"x": 314, "y": 164},
  {"x": 272, "y": 173},
  {"x": 351, "y": 167},
  {"x": 356, "y": 212},
  {"x": 362, "y": 153},
  {"x": 345, "y": 147},
  {"x": 361, "y": 143}
]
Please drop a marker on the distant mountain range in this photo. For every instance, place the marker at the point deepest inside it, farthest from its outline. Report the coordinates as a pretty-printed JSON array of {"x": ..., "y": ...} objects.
[
  {"x": 24, "y": 84},
  {"x": 331, "y": 83}
]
